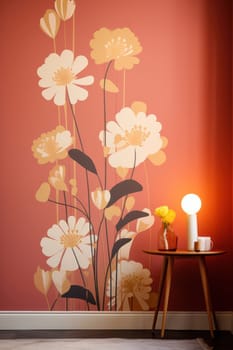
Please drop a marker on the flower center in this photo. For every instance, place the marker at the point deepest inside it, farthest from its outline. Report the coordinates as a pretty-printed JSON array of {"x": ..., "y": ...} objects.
[
  {"x": 128, "y": 285},
  {"x": 136, "y": 136},
  {"x": 63, "y": 76},
  {"x": 49, "y": 146},
  {"x": 118, "y": 47},
  {"x": 70, "y": 239}
]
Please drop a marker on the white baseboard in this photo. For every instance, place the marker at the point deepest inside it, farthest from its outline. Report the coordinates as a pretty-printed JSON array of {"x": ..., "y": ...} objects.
[{"x": 110, "y": 320}]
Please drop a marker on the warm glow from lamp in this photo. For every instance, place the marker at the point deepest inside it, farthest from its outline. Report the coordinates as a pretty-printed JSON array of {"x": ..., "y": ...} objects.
[{"x": 191, "y": 204}]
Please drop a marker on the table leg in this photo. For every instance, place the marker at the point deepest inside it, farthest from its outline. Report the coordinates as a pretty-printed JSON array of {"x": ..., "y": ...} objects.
[
  {"x": 167, "y": 292},
  {"x": 205, "y": 285},
  {"x": 160, "y": 291}
]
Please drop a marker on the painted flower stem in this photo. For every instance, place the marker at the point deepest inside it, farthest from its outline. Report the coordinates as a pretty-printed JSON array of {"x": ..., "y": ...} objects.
[
  {"x": 68, "y": 206},
  {"x": 54, "y": 303},
  {"x": 66, "y": 209},
  {"x": 105, "y": 104},
  {"x": 94, "y": 266},
  {"x": 76, "y": 125},
  {"x": 81, "y": 274},
  {"x": 105, "y": 182}
]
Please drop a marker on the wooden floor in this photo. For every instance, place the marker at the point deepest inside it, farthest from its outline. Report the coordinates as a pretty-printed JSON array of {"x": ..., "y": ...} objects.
[{"x": 223, "y": 340}]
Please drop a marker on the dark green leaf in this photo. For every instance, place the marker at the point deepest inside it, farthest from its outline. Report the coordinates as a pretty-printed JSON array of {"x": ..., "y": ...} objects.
[
  {"x": 82, "y": 159},
  {"x": 122, "y": 189},
  {"x": 118, "y": 244},
  {"x": 136, "y": 214},
  {"x": 80, "y": 292}
]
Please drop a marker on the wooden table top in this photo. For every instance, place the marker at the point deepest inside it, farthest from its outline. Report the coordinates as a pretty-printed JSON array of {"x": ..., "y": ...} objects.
[{"x": 183, "y": 252}]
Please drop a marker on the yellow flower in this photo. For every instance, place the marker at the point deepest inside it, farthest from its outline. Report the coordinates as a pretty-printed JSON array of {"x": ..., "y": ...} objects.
[
  {"x": 170, "y": 217},
  {"x": 119, "y": 45},
  {"x": 50, "y": 23},
  {"x": 167, "y": 215},
  {"x": 161, "y": 211},
  {"x": 65, "y": 8}
]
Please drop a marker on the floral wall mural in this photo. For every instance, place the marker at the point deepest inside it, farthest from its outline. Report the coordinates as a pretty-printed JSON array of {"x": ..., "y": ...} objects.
[
  {"x": 108, "y": 112},
  {"x": 87, "y": 248}
]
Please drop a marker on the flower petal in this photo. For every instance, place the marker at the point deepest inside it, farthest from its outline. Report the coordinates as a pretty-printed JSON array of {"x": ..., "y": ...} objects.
[
  {"x": 76, "y": 93},
  {"x": 108, "y": 85},
  {"x": 43, "y": 192},
  {"x": 50, "y": 246},
  {"x": 54, "y": 260}
]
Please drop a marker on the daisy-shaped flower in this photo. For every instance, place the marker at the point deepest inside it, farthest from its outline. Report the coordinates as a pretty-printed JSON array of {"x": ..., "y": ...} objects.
[
  {"x": 52, "y": 146},
  {"x": 133, "y": 282},
  {"x": 59, "y": 75},
  {"x": 119, "y": 45},
  {"x": 132, "y": 138},
  {"x": 68, "y": 244}
]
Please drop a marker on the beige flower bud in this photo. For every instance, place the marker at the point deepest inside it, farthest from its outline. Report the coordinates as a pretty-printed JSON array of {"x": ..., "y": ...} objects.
[
  {"x": 65, "y": 8},
  {"x": 42, "y": 280},
  {"x": 60, "y": 281},
  {"x": 100, "y": 198},
  {"x": 50, "y": 23}
]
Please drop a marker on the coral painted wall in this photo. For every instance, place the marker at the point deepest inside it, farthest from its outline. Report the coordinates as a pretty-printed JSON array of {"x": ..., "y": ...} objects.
[{"x": 172, "y": 135}]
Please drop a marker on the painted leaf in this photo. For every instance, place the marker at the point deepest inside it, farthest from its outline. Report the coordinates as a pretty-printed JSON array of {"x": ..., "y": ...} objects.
[
  {"x": 108, "y": 85},
  {"x": 118, "y": 244},
  {"x": 133, "y": 215},
  {"x": 122, "y": 189},
  {"x": 80, "y": 292},
  {"x": 82, "y": 159}
]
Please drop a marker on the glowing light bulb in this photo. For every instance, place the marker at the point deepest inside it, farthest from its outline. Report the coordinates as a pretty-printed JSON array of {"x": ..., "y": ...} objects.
[{"x": 191, "y": 204}]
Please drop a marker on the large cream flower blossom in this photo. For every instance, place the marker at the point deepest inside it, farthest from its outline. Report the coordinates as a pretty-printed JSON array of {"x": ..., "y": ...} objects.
[
  {"x": 119, "y": 45},
  {"x": 132, "y": 138},
  {"x": 68, "y": 244},
  {"x": 59, "y": 75},
  {"x": 133, "y": 281}
]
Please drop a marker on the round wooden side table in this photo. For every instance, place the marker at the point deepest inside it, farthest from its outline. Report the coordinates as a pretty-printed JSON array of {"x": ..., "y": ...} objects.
[{"x": 166, "y": 278}]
